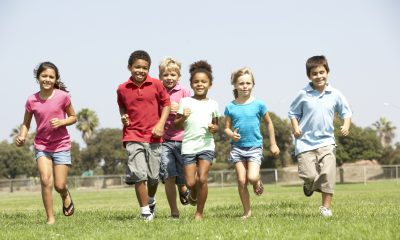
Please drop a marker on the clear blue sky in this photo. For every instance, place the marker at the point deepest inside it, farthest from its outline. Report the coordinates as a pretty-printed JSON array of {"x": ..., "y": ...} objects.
[{"x": 90, "y": 41}]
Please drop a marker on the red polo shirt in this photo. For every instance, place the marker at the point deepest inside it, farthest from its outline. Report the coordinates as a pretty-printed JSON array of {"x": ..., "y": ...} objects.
[{"x": 144, "y": 105}]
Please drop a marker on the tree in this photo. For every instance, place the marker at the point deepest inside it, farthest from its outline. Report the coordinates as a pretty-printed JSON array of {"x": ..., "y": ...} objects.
[
  {"x": 106, "y": 148},
  {"x": 385, "y": 130},
  {"x": 15, "y": 161},
  {"x": 87, "y": 122},
  {"x": 284, "y": 141},
  {"x": 361, "y": 143}
]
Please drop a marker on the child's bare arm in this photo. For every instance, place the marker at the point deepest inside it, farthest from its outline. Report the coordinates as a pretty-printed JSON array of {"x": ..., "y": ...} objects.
[
  {"x": 344, "y": 129},
  {"x": 213, "y": 127},
  {"x": 234, "y": 135},
  {"x": 20, "y": 139},
  {"x": 181, "y": 118},
  {"x": 158, "y": 130},
  {"x": 273, "y": 148},
  {"x": 295, "y": 128},
  {"x": 71, "y": 119}
]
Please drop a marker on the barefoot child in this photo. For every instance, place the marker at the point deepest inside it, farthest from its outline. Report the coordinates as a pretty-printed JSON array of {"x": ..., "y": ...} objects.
[
  {"x": 242, "y": 125},
  {"x": 198, "y": 116}
]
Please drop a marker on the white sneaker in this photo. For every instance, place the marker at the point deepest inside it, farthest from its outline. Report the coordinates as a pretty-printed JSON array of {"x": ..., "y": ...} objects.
[
  {"x": 325, "y": 212},
  {"x": 147, "y": 217}
]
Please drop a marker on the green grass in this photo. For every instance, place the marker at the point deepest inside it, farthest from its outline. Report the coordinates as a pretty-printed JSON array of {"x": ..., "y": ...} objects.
[{"x": 369, "y": 211}]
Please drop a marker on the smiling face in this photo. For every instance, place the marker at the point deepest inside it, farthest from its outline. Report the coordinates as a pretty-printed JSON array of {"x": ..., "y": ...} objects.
[
  {"x": 139, "y": 70},
  {"x": 47, "y": 79},
  {"x": 169, "y": 79},
  {"x": 244, "y": 85},
  {"x": 319, "y": 77},
  {"x": 200, "y": 84}
]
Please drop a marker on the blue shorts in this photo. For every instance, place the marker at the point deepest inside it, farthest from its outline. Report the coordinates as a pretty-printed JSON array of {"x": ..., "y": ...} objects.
[
  {"x": 203, "y": 155},
  {"x": 172, "y": 162},
  {"x": 63, "y": 157},
  {"x": 245, "y": 154}
]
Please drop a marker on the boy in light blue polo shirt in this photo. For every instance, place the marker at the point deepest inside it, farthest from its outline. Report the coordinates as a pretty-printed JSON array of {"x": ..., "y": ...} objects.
[{"x": 311, "y": 114}]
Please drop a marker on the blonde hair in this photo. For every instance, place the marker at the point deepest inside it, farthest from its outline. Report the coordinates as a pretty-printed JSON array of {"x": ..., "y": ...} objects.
[
  {"x": 169, "y": 64},
  {"x": 238, "y": 73}
]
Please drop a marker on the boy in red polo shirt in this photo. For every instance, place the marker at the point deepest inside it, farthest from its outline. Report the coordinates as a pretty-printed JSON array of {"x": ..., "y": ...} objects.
[{"x": 144, "y": 107}]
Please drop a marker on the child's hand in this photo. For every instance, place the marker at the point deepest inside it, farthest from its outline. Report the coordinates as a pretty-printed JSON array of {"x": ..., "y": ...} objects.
[
  {"x": 186, "y": 113},
  {"x": 19, "y": 141},
  {"x": 125, "y": 120},
  {"x": 236, "y": 135},
  {"x": 174, "y": 106},
  {"x": 158, "y": 131},
  {"x": 297, "y": 132},
  {"x": 55, "y": 123},
  {"x": 212, "y": 128},
  {"x": 344, "y": 131},
  {"x": 274, "y": 150}
]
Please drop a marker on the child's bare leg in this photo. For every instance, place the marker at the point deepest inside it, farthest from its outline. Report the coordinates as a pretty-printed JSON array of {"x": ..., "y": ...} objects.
[
  {"x": 253, "y": 174},
  {"x": 241, "y": 173},
  {"x": 327, "y": 199},
  {"x": 170, "y": 191},
  {"x": 45, "y": 167},
  {"x": 190, "y": 177},
  {"x": 141, "y": 193},
  {"x": 203, "y": 168}
]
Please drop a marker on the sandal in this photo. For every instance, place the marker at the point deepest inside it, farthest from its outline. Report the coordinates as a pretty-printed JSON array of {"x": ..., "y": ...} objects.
[
  {"x": 260, "y": 189},
  {"x": 68, "y": 211},
  {"x": 184, "y": 197}
]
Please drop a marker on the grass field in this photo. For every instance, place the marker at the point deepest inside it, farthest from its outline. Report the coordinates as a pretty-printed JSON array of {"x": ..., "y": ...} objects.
[{"x": 369, "y": 211}]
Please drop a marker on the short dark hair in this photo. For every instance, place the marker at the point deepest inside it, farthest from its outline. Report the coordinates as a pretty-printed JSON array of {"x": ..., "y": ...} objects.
[
  {"x": 139, "y": 54},
  {"x": 316, "y": 61}
]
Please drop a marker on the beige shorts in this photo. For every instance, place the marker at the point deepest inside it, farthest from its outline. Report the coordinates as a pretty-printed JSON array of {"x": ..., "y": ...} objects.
[
  {"x": 318, "y": 168},
  {"x": 144, "y": 161}
]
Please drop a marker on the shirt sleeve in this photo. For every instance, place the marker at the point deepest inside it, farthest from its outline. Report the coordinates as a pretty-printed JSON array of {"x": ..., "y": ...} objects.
[
  {"x": 295, "y": 109},
  {"x": 343, "y": 107},
  {"x": 216, "y": 110},
  {"x": 28, "y": 107}
]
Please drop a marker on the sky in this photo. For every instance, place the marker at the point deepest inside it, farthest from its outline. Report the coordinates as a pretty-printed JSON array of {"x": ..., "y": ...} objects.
[{"x": 90, "y": 41}]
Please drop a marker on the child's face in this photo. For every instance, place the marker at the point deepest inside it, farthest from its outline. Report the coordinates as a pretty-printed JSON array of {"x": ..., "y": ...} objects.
[
  {"x": 47, "y": 79},
  {"x": 139, "y": 70},
  {"x": 319, "y": 77},
  {"x": 169, "y": 79},
  {"x": 244, "y": 85},
  {"x": 200, "y": 84}
]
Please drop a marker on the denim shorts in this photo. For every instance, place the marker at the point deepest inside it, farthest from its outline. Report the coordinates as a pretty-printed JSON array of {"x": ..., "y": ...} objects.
[
  {"x": 193, "y": 158},
  {"x": 62, "y": 157},
  {"x": 248, "y": 154},
  {"x": 172, "y": 162}
]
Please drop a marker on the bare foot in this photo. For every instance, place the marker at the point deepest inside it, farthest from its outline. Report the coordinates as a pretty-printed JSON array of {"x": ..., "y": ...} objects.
[
  {"x": 50, "y": 221},
  {"x": 198, "y": 217},
  {"x": 246, "y": 215}
]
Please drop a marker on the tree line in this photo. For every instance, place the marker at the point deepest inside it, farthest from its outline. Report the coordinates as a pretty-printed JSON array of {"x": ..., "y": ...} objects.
[{"x": 104, "y": 153}]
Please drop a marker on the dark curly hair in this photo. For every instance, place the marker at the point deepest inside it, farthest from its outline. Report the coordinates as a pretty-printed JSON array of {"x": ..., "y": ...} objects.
[
  {"x": 201, "y": 66},
  {"x": 139, "y": 54},
  {"x": 49, "y": 65}
]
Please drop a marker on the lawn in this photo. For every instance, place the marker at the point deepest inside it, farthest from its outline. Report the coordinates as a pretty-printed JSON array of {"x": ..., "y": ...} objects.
[{"x": 369, "y": 211}]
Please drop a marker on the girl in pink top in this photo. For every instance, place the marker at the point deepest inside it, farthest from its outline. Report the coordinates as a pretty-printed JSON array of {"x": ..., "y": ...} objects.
[{"x": 52, "y": 144}]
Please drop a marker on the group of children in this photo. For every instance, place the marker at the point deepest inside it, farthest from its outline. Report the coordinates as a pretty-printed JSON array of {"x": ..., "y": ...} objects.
[{"x": 168, "y": 133}]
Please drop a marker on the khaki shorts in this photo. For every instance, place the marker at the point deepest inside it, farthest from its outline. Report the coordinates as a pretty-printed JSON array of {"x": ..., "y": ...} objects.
[
  {"x": 318, "y": 168},
  {"x": 144, "y": 161}
]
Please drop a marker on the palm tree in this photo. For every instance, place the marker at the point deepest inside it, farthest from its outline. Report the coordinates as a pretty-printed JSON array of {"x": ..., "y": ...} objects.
[
  {"x": 87, "y": 122},
  {"x": 385, "y": 130}
]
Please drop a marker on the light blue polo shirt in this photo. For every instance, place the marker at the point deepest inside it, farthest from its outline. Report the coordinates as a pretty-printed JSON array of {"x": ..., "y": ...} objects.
[{"x": 315, "y": 112}]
